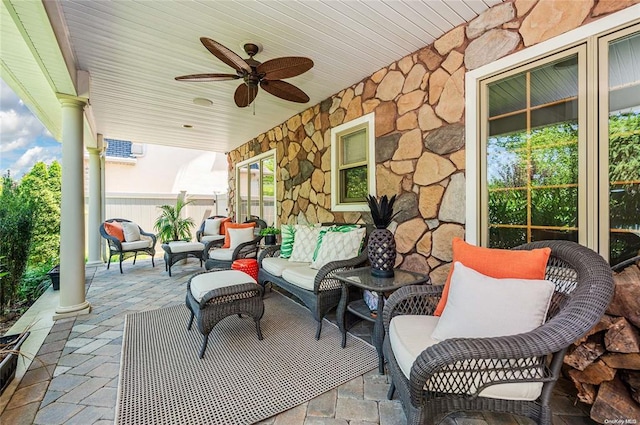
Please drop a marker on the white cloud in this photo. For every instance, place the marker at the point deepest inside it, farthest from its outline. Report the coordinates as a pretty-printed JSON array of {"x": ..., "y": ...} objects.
[
  {"x": 18, "y": 127},
  {"x": 29, "y": 158}
]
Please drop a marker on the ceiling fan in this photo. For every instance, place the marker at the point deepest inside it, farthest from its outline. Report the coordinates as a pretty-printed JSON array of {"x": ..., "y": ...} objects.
[{"x": 267, "y": 75}]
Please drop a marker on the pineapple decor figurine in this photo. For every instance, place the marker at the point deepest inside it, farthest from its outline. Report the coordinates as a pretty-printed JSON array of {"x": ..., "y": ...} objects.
[{"x": 382, "y": 244}]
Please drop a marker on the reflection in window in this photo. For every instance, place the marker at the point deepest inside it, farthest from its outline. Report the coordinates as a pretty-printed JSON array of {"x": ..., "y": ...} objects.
[{"x": 532, "y": 155}]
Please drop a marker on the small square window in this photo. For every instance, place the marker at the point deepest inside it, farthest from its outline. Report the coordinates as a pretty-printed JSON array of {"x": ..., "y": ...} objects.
[{"x": 352, "y": 164}]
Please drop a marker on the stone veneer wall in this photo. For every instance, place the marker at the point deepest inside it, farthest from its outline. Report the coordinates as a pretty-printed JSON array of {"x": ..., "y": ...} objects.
[{"x": 419, "y": 128}]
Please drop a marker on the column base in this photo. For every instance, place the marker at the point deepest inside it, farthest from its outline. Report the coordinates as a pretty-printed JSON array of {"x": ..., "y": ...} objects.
[
  {"x": 73, "y": 311},
  {"x": 94, "y": 263}
]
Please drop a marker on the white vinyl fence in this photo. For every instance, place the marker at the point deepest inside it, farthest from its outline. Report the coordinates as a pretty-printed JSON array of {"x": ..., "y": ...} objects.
[{"x": 143, "y": 208}]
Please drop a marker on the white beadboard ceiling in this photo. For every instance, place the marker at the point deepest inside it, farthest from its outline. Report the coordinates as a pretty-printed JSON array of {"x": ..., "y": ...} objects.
[{"x": 134, "y": 49}]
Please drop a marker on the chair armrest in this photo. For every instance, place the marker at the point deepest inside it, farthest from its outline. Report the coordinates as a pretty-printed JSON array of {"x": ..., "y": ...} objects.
[
  {"x": 209, "y": 245},
  {"x": 325, "y": 278},
  {"x": 199, "y": 234},
  {"x": 113, "y": 241},
  {"x": 246, "y": 248},
  {"x": 150, "y": 235},
  {"x": 270, "y": 251},
  {"x": 413, "y": 299},
  {"x": 468, "y": 365}
]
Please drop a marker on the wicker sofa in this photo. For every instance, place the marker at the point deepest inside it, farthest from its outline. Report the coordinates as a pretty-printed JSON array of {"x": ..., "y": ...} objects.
[
  {"x": 318, "y": 290},
  {"x": 453, "y": 374}
]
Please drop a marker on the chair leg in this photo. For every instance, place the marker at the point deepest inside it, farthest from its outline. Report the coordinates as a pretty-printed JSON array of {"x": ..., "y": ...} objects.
[
  {"x": 318, "y": 329},
  {"x": 392, "y": 390},
  {"x": 258, "y": 330},
  {"x": 153, "y": 264},
  {"x": 135, "y": 257},
  {"x": 108, "y": 262},
  {"x": 204, "y": 345},
  {"x": 190, "y": 321},
  {"x": 120, "y": 263}
]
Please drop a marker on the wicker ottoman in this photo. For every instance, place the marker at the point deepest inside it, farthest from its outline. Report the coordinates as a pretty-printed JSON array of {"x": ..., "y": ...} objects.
[
  {"x": 180, "y": 250},
  {"x": 216, "y": 294}
]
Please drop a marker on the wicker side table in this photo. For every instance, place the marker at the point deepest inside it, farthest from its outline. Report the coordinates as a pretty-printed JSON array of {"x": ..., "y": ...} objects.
[{"x": 216, "y": 294}]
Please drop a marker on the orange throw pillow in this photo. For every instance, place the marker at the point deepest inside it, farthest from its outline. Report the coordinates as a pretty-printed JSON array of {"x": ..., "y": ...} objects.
[
  {"x": 227, "y": 238},
  {"x": 114, "y": 229},
  {"x": 223, "y": 226},
  {"x": 496, "y": 263}
]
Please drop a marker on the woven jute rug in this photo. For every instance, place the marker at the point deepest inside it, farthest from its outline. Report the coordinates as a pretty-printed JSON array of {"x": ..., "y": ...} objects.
[{"x": 241, "y": 380}]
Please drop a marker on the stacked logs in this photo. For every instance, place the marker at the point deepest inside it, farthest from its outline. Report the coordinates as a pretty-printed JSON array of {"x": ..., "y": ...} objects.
[{"x": 605, "y": 364}]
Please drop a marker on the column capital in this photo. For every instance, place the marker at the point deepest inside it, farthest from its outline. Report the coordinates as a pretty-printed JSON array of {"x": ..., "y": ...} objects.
[
  {"x": 94, "y": 151},
  {"x": 68, "y": 99}
]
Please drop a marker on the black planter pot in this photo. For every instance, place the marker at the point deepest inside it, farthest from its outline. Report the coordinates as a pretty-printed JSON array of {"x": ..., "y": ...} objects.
[
  {"x": 382, "y": 252},
  {"x": 269, "y": 239},
  {"x": 10, "y": 362},
  {"x": 54, "y": 275}
]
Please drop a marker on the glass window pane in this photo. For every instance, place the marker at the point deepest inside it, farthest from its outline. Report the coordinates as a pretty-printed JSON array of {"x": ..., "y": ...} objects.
[
  {"x": 268, "y": 191},
  {"x": 624, "y": 149},
  {"x": 354, "y": 184},
  {"x": 354, "y": 147},
  {"x": 243, "y": 186},
  {"x": 532, "y": 154},
  {"x": 555, "y": 207}
]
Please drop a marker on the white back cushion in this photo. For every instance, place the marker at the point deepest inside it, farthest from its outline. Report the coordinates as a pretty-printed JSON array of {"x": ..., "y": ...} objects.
[
  {"x": 481, "y": 306},
  {"x": 338, "y": 246},
  {"x": 238, "y": 236},
  {"x": 131, "y": 231},
  {"x": 304, "y": 243},
  {"x": 212, "y": 226}
]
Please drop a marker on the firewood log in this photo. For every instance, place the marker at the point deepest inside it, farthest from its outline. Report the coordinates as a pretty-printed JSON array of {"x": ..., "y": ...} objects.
[
  {"x": 583, "y": 355},
  {"x": 626, "y": 297},
  {"x": 614, "y": 403},
  {"x": 596, "y": 373},
  {"x": 622, "y": 337},
  {"x": 622, "y": 361},
  {"x": 632, "y": 379}
]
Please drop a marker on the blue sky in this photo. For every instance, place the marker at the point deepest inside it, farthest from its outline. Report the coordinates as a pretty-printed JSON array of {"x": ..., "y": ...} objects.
[{"x": 23, "y": 139}]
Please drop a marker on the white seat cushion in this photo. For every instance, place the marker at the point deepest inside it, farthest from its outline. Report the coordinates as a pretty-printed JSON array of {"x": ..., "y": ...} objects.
[
  {"x": 276, "y": 265},
  {"x": 210, "y": 238},
  {"x": 181, "y": 246},
  {"x": 131, "y": 246},
  {"x": 302, "y": 276},
  {"x": 224, "y": 254},
  {"x": 205, "y": 282},
  {"x": 410, "y": 335}
]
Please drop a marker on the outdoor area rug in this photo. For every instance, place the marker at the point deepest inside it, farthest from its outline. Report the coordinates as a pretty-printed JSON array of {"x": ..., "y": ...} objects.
[{"x": 241, "y": 380}]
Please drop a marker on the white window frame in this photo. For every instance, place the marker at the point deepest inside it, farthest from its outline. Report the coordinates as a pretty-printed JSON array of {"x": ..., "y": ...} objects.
[
  {"x": 473, "y": 98},
  {"x": 254, "y": 159},
  {"x": 368, "y": 122}
]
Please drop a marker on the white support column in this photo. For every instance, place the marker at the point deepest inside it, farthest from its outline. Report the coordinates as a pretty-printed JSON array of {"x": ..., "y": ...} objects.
[
  {"x": 95, "y": 207},
  {"x": 103, "y": 194},
  {"x": 72, "y": 250}
]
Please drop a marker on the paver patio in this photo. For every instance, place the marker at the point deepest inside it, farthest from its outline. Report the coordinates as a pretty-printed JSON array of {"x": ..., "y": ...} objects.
[{"x": 74, "y": 377}]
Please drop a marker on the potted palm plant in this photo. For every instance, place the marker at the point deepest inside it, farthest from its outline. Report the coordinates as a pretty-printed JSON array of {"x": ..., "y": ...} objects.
[
  {"x": 382, "y": 244},
  {"x": 171, "y": 226},
  {"x": 270, "y": 234}
]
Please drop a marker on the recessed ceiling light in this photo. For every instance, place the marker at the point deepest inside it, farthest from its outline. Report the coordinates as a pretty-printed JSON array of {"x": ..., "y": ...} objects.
[
  {"x": 187, "y": 126},
  {"x": 202, "y": 101}
]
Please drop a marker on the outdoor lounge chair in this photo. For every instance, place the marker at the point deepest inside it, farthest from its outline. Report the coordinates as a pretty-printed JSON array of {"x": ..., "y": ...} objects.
[
  {"x": 119, "y": 245},
  {"x": 211, "y": 237},
  {"x": 223, "y": 258},
  {"x": 451, "y": 375}
]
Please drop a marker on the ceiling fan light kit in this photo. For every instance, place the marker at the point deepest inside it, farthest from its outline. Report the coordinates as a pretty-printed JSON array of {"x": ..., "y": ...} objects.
[{"x": 268, "y": 75}]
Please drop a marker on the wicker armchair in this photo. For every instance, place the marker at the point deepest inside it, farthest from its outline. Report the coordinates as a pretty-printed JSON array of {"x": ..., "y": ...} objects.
[
  {"x": 210, "y": 241},
  {"x": 448, "y": 376},
  {"x": 224, "y": 257},
  {"x": 125, "y": 250}
]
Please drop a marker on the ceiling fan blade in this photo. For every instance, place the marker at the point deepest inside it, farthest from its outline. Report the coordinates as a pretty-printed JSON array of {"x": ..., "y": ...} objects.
[
  {"x": 284, "y": 90},
  {"x": 286, "y": 67},
  {"x": 225, "y": 55},
  {"x": 207, "y": 77},
  {"x": 245, "y": 94}
]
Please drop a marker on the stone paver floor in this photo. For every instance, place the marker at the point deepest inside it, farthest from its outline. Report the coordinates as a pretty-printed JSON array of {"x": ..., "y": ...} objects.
[{"x": 74, "y": 377}]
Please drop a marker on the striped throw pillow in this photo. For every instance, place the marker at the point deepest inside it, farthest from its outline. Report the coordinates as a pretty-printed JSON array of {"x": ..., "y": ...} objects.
[{"x": 287, "y": 233}]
